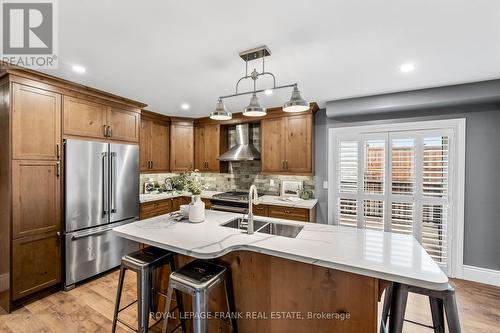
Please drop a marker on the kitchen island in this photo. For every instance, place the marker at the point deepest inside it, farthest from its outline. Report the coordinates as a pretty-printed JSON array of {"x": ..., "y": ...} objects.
[{"x": 323, "y": 270}]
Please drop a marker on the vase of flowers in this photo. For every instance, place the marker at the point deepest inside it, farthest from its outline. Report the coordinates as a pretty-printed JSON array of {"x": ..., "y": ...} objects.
[{"x": 197, "y": 206}]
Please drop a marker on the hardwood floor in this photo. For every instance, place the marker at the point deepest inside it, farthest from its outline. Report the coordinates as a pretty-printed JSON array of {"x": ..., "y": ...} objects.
[{"x": 89, "y": 308}]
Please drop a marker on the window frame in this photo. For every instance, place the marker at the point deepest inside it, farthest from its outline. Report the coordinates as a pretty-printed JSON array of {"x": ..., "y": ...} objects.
[{"x": 456, "y": 175}]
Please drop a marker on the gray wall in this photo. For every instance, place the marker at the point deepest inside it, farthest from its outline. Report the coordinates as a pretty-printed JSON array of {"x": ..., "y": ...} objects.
[{"x": 482, "y": 179}]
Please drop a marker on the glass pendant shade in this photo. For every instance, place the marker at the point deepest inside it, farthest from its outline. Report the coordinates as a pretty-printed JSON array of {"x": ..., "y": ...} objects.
[
  {"x": 296, "y": 103},
  {"x": 220, "y": 112},
  {"x": 254, "y": 109}
]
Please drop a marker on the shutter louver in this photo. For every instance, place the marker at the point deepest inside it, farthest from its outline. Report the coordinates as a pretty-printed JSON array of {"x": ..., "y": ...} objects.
[
  {"x": 348, "y": 212},
  {"x": 348, "y": 167},
  {"x": 402, "y": 218},
  {"x": 434, "y": 220},
  {"x": 373, "y": 214},
  {"x": 435, "y": 167},
  {"x": 403, "y": 165},
  {"x": 374, "y": 172}
]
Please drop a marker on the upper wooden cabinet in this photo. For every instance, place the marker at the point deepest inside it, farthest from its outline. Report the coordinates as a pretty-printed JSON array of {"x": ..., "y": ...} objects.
[
  {"x": 123, "y": 124},
  {"x": 84, "y": 118},
  {"x": 209, "y": 143},
  {"x": 273, "y": 145},
  {"x": 287, "y": 144},
  {"x": 154, "y": 144},
  {"x": 181, "y": 144},
  {"x": 96, "y": 120},
  {"x": 36, "y": 123}
]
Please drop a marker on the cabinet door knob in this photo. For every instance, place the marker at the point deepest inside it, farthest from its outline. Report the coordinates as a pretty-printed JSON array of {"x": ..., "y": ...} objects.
[
  {"x": 58, "y": 150},
  {"x": 105, "y": 130},
  {"x": 58, "y": 169},
  {"x": 110, "y": 131}
]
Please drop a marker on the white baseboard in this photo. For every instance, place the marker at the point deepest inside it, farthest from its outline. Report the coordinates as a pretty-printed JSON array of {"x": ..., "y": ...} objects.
[
  {"x": 481, "y": 275},
  {"x": 4, "y": 282}
]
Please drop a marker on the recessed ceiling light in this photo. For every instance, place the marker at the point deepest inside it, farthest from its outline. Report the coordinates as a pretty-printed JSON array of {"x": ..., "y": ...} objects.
[
  {"x": 407, "y": 67},
  {"x": 268, "y": 92},
  {"x": 79, "y": 69},
  {"x": 185, "y": 106}
]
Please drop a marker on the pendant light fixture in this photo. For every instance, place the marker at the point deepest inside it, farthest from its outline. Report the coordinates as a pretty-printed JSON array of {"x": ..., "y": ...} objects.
[
  {"x": 220, "y": 112},
  {"x": 296, "y": 103},
  {"x": 254, "y": 109}
]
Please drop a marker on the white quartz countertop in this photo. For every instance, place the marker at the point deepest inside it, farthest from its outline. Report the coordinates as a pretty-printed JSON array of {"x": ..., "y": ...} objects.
[
  {"x": 388, "y": 256},
  {"x": 279, "y": 201},
  {"x": 160, "y": 196},
  {"x": 265, "y": 199}
]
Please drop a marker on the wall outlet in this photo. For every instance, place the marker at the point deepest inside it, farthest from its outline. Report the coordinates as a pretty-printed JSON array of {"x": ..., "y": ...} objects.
[
  {"x": 271, "y": 182},
  {"x": 325, "y": 185}
]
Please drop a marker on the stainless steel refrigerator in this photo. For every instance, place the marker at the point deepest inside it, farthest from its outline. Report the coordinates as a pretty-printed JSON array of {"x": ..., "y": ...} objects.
[{"x": 101, "y": 192}]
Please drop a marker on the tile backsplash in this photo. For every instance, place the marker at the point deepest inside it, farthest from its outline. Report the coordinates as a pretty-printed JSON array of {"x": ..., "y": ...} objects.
[{"x": 240, "y": 174}]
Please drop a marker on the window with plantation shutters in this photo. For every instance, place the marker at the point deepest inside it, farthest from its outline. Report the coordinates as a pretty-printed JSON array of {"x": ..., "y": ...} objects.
[{"x": 395, "y": 181}]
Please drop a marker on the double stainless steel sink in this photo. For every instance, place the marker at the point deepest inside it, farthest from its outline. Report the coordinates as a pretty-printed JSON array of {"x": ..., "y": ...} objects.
[{"x": 270, "y": 228}]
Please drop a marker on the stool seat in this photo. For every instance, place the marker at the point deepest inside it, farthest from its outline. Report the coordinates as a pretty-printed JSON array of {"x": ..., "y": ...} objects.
[
  {"x": 199, "y": 274},
  {"x": 147, "y": 257}
]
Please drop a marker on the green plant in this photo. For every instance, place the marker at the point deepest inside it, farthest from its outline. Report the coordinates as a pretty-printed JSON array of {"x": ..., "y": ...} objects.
[{"x": 188, "y": 181}]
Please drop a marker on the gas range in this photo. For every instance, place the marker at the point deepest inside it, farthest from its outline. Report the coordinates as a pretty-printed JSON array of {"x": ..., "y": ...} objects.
[
  {"x": 232, "y": 201},
  {"x": 238, "y": 196}
]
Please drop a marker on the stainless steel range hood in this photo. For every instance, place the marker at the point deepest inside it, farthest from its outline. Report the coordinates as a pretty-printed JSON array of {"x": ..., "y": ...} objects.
[{"x": 243, "y": 150}]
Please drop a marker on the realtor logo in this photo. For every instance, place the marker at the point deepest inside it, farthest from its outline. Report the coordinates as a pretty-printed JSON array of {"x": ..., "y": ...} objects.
[{"x": 29, "y": 33}]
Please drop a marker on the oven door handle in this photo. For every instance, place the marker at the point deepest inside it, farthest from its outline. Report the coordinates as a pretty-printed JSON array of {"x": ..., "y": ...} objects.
[{"x": 229, "y": 209}]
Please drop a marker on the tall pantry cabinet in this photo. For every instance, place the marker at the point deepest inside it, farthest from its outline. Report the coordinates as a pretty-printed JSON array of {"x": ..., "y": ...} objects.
[{"x": 31, "y": 179}]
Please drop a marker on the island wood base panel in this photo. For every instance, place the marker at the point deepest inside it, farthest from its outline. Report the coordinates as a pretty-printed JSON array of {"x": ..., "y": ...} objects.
[{"x": 264, "y": 285}]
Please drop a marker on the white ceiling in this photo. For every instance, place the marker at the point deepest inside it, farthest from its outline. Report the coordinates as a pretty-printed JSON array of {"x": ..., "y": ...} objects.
[{"x": 166, "y": 53}]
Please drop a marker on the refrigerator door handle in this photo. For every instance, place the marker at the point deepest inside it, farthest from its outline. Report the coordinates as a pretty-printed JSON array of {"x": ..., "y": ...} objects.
[
  {"x": 76, "y": 237},
  {"x": 113, "y": 182},
  {"x": 104, "y": 157}
]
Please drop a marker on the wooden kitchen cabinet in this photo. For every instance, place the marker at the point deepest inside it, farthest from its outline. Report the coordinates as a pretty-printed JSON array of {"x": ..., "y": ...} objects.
[
  {"x": 260, "y": 210},
  {"x": 36, "y": 197},
  {"x": 160, "y": 207},
  {"x": 154, "y": 144},
  {"x": 299, "y": 145},
  {"x": 273, "y": 145},
  {"x": 209, "y": 143},
  {"x": 181, "y": 144},
  {"x": 92, "y": 119},
  {"x": 287, "y": 145},
  {"x": 123, "y": 125},
  {"x": 36, "y": 264},
  {"x": 289, "y": 213},
  {"x": 36, "y": 123},
  {"x": 84, "y": 118}
]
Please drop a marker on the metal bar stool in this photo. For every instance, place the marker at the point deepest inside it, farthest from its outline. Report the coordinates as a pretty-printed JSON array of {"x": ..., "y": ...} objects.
[
  {"x": 145, "y": 263},
  {"x": 440, "y": 301},
  {"x": 198, "y": 278}
]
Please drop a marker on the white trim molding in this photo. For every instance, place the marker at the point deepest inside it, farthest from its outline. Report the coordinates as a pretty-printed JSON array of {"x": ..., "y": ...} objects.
[{"x": 481, "y": 275}]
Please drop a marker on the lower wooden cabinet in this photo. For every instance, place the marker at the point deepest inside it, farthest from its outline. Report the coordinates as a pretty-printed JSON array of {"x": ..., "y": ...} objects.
[
  {"x": 36, "y": 264},
  {"x": 287, "y": 213},
  {"x": 160, "y": 207},
  {"x": 260, "y": 210}
]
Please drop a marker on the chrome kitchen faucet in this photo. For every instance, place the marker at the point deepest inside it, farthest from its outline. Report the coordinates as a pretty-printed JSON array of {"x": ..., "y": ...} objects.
[{"x": 253, "y": 198}]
